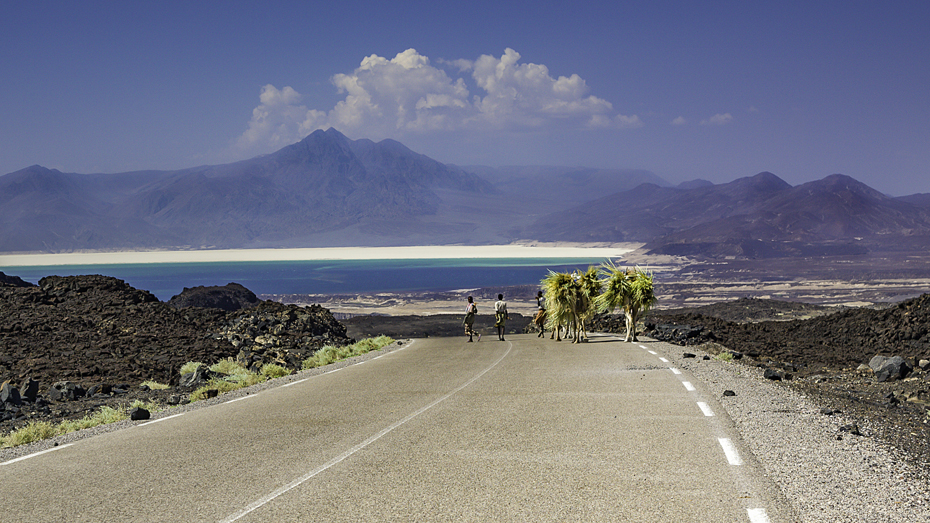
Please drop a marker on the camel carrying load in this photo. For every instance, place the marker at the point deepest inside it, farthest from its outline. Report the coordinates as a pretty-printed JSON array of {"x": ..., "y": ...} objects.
[{"x": 573, "y": 298}]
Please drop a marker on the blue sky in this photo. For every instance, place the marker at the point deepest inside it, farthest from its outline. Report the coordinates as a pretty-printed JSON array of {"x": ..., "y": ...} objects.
[{"x": 702, "y": 89}]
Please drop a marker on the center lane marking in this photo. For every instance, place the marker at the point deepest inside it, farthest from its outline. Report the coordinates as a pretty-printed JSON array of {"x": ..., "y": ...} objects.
[{"x": 338, "y": 459}]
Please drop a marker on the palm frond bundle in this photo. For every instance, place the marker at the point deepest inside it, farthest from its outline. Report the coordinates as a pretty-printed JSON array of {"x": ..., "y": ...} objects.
[
  {"x": 642, "y": 293},
  {"x": 616, "y": 284},
  {"x": 559, "y": 289}
]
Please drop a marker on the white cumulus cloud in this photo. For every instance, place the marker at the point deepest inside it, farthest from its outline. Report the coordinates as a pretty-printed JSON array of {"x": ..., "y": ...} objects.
[
  {"x": 718, "y": 119},
  {"x": 680, "y": 121},
  {"x": 408, "y": 94}
]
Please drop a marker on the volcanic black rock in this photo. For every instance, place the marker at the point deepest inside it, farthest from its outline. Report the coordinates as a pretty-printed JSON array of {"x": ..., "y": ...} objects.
[{"x": 230, "y": 297}]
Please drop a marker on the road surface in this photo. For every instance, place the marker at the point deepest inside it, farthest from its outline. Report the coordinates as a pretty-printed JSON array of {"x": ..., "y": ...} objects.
[{"x": 442, "y": 430}]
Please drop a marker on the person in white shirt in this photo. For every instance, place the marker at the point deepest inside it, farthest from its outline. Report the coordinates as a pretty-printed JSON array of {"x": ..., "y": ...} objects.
[{"x": 500, "y": 316}]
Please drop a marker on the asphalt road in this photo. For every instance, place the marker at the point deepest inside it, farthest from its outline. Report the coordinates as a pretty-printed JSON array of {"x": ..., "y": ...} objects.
[{"x": 442, "y": 430}]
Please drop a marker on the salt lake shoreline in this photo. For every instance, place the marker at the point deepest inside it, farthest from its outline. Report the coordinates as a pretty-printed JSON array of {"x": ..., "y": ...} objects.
[{"x": 425, "y": 252}]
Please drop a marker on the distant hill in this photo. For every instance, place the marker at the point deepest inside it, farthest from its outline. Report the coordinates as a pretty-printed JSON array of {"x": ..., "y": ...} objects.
[
  {"x": 328, "y": 190},
  {"x": 920, "y": 200},
  {"x": 758, "y": 216},
  {"x": 323, "y": 183}
]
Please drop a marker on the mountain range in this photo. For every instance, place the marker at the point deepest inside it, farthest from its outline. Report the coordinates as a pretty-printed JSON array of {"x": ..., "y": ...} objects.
[{"x": 329, "y": 190}]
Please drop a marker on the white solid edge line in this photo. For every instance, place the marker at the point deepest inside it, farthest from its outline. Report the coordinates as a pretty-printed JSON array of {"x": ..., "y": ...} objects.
[
  {"x": 340, "y": 368},
  {"x": 338, "y": 459},
  {"x": 757, "y": 515},
  {"x": 688, "y": 386},
  {"x": 242, "y": 398},
  {"x": 674, "y": 370},
  {"x": 730, "y": 450},
  {"x": 705, "y": 409},
  {"x": 161, "y": 419},
  {"x": 27, "y": 456}
]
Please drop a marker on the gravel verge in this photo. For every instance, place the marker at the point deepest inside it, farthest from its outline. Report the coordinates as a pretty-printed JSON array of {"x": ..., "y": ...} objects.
[{"x": 826, "y": 472}]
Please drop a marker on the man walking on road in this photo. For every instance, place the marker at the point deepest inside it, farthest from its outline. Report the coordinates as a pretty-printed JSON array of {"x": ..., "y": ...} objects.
[{"x": 500, "y": 316}]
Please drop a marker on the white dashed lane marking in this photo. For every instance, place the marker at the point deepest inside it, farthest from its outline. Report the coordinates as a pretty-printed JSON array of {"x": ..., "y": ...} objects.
[
  {"x": 730, "y": 450},
  {"x": 705, "y": 409},
  {"x": 757, "y": 515}
]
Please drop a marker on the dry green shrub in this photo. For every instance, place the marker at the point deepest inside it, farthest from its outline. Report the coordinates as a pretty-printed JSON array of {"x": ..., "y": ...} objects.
[
  {"x": 271, "y": 371},
  {"x": 189, "y": 367},
  {"x": 330, "y": 354},
  {"x": 154, "y": 385}
]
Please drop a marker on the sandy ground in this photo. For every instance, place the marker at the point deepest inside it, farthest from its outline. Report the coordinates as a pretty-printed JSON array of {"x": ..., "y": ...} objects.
[{"x": 515, "y": 250}]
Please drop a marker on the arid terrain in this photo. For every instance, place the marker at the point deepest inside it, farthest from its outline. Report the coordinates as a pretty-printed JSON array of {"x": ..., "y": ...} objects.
[{"x": 816, "y": 328}]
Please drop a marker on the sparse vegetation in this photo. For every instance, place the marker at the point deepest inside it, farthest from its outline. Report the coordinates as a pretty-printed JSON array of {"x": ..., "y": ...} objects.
[
  {"x": 271, "y": 371},
  {"x": 154, "y": 385},
  {"x": 40, "y": 430},
  {"x": 330, "y": 354},
  {"x": 189, "y": 367},
  {"x": 235, "y": 377}
]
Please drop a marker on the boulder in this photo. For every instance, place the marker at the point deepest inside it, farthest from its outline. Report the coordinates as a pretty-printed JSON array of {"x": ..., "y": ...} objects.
[
  {"x": 195, "y": 379},
  {"x": 101, "y": 388},
  {"x": 138, "y": 413},
  {"x": 774, "y": 375},
  {"x": 65, "y": 391},
  {"x": 9, "y": 394},
  {"x": 889, "y": 368},
  {"x": 29, "y": 390}
]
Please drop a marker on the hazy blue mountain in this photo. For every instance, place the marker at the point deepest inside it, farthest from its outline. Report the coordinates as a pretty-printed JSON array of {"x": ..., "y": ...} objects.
[
  {"x": 321, "y": 184},
  {"x": 758, "y": 216},
  {"x": 920, "y": 200},
  {"x": 329, "y": 190}
]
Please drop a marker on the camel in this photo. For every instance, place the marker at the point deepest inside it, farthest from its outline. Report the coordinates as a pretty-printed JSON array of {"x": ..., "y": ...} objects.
[
  {"x": 631, "y": 290},
  {"x": 569, "y": 302}
]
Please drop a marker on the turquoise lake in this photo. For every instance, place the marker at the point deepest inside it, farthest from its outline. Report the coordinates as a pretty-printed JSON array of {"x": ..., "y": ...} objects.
[{"x": 165, "y": 280}]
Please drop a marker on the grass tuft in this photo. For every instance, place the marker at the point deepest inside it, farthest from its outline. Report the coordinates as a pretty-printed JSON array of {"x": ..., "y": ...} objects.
[
  {"x": 189, "y": 367},
  {"x": 271, "y": 371},
  {"x": 34, "y": 431},
  {"x": 330, "y": 354},
  {"x": 154, "y": 385},
  {"x": 39, "y": 430}
]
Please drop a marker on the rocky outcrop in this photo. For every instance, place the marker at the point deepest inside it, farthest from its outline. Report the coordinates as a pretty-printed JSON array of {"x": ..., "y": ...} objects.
[
  {"x": 76, "y": 343},
  {"x": 13, "y": 281},
  {"x": 844, "y": 339},
  {"x": 230, "y": 297},
  {"x": 95, "y": 329},
  {"x": 281, "y": 334}
]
